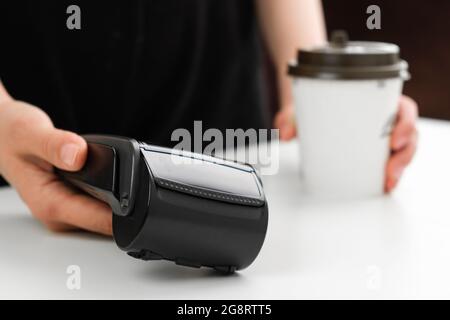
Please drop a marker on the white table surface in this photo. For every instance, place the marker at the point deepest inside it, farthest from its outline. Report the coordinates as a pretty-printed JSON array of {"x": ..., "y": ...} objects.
[{"x": 395, "y": 246}]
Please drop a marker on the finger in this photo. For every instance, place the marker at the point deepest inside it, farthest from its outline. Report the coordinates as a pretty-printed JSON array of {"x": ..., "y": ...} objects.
[
  {"x": 76, "y": 209},
  {"x": 287, "y": 132},
  {"x": 66, "y": 206},
  {"x": 56, "y": 205},
  {"x": 405, "y": 126},
  {"x": 397, "y": 164},
  {"x": 63, "y": 149},
  {"x": 285, "y": 122},
  {"x": 86, "y": 213}
]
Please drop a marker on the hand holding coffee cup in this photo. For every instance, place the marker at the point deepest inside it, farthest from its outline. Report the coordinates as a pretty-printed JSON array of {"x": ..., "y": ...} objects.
[
  {"x": 403, "y": 142},
  {"x": 346, "y": 101}
]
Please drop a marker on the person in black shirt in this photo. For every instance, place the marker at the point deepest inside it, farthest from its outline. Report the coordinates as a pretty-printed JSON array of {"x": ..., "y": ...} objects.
[{"x": 142, "y": 69}]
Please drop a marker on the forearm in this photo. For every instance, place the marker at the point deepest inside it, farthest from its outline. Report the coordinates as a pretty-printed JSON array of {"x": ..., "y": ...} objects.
[{"x": 288, "y": 25}]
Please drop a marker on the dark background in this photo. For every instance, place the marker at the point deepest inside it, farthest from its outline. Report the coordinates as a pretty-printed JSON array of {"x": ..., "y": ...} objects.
[{"x": 421, "y": 29}]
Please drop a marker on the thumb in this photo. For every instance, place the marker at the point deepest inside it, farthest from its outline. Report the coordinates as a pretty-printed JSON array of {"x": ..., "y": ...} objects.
[{"x": 63, "y": 149}]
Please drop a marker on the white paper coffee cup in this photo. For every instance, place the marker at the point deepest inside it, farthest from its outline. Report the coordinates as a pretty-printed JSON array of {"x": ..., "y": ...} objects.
[{"x": 346, "y": 96}]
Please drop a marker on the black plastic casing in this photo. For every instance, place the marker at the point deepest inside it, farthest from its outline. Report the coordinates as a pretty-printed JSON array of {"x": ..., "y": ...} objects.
[{"x": 184, "y": 207}]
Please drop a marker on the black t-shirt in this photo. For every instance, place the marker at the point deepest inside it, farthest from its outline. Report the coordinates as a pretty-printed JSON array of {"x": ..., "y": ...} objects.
[{"x": 135, "y": 68}]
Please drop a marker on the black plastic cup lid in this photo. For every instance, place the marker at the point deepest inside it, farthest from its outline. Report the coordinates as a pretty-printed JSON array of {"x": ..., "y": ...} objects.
[{"x": 343, "y": 59}]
